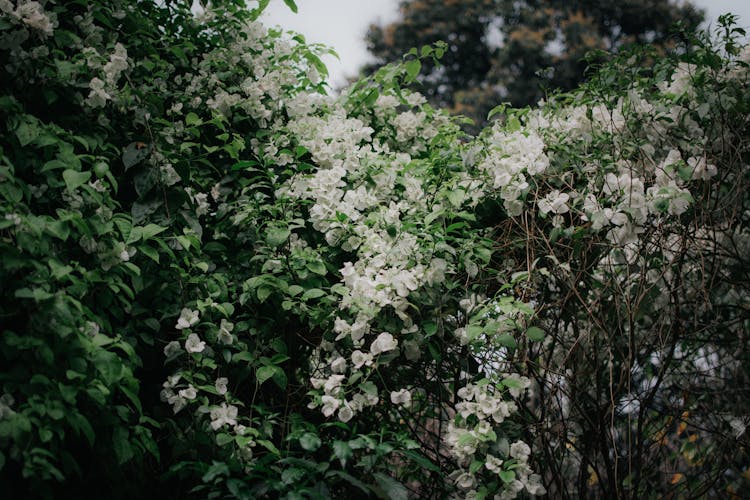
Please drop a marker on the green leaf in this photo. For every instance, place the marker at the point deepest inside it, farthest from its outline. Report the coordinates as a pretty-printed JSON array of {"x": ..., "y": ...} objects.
[
  {"x": 145, "y": 180},
  {"x": 292, "y": 6},
  {"x": 317, "y": 63},
  {"x": 535, "y": 334},
  {"x": 133, "y": 397},
  {"x": 292, "y": 475},
  {"x": 109, "y": 366},
  {"x": 393, "y": 489},
  {"x": 269, "y": 446},
  {"x": 37, "y": 294},
  {"x": 134, "y": 235},
  {"x": 134, "y": 153},
  {"x": 513, "y": 125},
  {"x": 151, "y": 230},
  {"x": 191, "y": 119},
  {"x": 58, "y": 229},
  {"x": 243, "y": 356},
  {"x": 371, "y": 97},
  {"x": 343, "y": 451},
  {"x": 276, "y": 235},
  {"x": 420, "y": 460},
  {"x": 507, "y": 476},
  {"x": 430, "y": 328},
  {"x": 313, "y": 293},
  {"x": 58, "y": 269},
  {"x": 149, "y": 252},
  {"x": 45, "y": 435},
  {"x": 413, "y": 67},
  {"x": 309, "y": 441},
  {"x": 26, "y": 133},
  {"x": 121, "y": 445},
  {"x": 184, "y": 241},
  {"x": 75, "y": 179},
  {"x": 474, "y": 331},
  {"x": 317, "y": 267},
  {"x": 223, "y": 438},
  {"x": 351, "y": 480},
  {"x": 456, "y": 197},
  {"x": 506, "y": 340},
  {"x": 263, "y": 292},
  {"x": 265, "y": 372},
  {"x": 218, "y": 469}
]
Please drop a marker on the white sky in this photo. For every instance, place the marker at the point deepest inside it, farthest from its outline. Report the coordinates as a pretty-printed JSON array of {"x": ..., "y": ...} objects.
[{"x": 342, "y": 24}]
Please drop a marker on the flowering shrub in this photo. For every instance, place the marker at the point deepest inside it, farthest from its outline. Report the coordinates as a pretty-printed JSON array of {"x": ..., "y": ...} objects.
[{"x": 214, "y": 270}]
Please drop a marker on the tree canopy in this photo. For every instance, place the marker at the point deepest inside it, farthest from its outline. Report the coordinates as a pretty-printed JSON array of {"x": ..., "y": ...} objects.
[{"x": 514, "y": 51}]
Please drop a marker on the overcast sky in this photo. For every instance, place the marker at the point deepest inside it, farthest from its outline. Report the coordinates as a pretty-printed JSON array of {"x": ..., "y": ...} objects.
[{"x": 342, "y": 24}]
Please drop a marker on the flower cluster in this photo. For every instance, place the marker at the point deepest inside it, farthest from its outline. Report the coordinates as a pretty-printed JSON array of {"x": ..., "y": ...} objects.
[{"x": 481, "y": 409}]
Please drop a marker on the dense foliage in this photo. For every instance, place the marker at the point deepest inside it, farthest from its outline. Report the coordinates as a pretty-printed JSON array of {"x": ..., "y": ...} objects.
[
  {"x": 217, "y": 280},
  {"x": 516, "y": 51}
]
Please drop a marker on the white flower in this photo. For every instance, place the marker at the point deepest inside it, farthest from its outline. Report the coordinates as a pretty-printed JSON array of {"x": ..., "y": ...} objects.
[
  {"x": 555, "y": 202},
  {"x": 187, "y": 319},
  {"x": 436, "y": 271},
  {"x": 172, "y": 381},
  {"x": 385, "y": 342},
  {"x": 98, "y": 97},
  {"x": 402, "y": 397},
  {"x": 194, "y": 343},
  {"x": 534, "y": 485},
  {"x": 225, "y": 329},
  {"x": 701, "y": 169},
  {"x": 177, "y": 402},
  {"x": 345, "y": 413},
  {"x": 516, "y": 384},
  {"x": 333, "y": 382},
  {"x": 360, "y": 358},
  {"x": 330, "y": 405},
  {"x": 118, "y": 63},
  {"x": 189, "y": 393},
  {"x": 225, "y": 414},
  {"x": 201, "y": 199},
  {"x": 465, "y": 481},
  {"x": 221, "y": 385},
  {"x": 338, "y": 365},
  {"x": 494, "y": 464},
  {"x": 169, "y": 175},
  {"x": 504, "y": 410},
  {"x": 32, "y": 14},
  {"x": 520, "y": 450}
]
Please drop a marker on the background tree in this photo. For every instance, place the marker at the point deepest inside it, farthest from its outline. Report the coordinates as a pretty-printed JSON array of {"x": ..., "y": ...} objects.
[{"x": 503, "y": 50}]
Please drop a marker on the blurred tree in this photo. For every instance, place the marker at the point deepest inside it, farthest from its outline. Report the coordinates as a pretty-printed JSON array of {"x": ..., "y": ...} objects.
[{"x": 512, "y": 50}]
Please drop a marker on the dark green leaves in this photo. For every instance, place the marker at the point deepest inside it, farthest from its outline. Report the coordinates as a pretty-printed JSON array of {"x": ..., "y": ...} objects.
[
  {"x": 391, "y": 489},
  {"x": 277, "y": 235},
  {"x": 535, "y": 334},
  {"x": 309, "y": 441},
  {"x": 134, "y": 153},
  {"x": 75, "y": 179}
]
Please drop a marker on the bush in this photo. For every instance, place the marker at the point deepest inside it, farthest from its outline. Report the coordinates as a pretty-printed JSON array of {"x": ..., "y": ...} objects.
[{"x": 348, "y": 295}]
